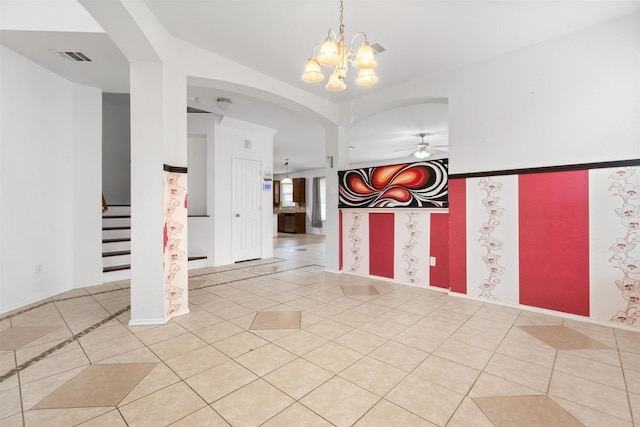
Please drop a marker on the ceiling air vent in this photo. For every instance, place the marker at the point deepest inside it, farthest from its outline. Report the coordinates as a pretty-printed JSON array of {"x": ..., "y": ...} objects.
[
  {"x": 377, "y": 48},
  {"x": 74, "y": 56}
]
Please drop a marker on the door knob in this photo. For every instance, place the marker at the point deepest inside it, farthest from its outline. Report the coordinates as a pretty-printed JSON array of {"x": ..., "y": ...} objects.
[{"x": 237, "y": 215}]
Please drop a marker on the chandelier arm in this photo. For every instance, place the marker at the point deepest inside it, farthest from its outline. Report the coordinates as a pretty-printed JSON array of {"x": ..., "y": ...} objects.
[{"x": 332, "y": 34}]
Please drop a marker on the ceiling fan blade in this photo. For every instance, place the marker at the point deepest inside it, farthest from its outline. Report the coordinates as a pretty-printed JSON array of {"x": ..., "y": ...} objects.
[{"x": 404, "y": 149}]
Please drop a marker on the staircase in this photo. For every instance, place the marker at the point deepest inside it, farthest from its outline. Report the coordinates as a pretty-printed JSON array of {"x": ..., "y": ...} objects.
[
  {"x": 116, "y": 242},
  {"x": 116, "y": 245}
]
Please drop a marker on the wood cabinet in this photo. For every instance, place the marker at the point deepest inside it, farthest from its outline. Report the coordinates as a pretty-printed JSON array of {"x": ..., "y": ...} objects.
[
  {"x": 276, "y": 193},
  {"x": 299, "y": 190},
  {"x": 292, "y": 222}
]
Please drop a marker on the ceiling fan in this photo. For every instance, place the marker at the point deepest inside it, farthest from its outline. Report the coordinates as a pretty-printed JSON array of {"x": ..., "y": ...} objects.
[{"x": 422, "y": 150}]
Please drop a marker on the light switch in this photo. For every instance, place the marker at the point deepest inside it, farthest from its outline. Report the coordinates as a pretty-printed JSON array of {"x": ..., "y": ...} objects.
[{"x": 432, "y": 261}]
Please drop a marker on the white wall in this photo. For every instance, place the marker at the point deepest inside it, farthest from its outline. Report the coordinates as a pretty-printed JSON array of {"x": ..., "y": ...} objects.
[
  {"x": 38, "y": 167},
  {"x": 573, "y": 99},
  {"x": 229, "y": 143},
  {"x": 116, "y": 148}
]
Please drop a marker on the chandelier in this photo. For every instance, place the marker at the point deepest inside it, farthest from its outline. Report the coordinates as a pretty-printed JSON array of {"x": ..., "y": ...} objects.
[{"x": 334, "y": 53}]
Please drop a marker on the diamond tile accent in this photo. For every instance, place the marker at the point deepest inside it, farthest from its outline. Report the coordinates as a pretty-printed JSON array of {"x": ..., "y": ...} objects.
[
  {"x": 525, "y": 411},
  {"x": 267, "y": 320},
  {"x": 115, "y": 382},
  {"x": 14, "y": 338},
  {"x": 562, "y": 338},
  {"x": 359, "y": 290}
]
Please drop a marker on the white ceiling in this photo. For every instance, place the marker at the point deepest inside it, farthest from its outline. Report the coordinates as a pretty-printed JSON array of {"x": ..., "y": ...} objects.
[{"x": 276, "y": 37}]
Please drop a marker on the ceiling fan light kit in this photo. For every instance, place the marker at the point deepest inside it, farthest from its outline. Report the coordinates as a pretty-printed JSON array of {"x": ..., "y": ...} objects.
[{"x": 334, "y": 53}]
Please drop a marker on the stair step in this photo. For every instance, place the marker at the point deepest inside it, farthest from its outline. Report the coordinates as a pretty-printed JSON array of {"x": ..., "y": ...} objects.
[
  {"x": 119, "y": 239},
  {"x": 115, "y": 253},
  {"x": 116, "y": 268},
  {"x": 123, "y": 227},
  {"x": 128, "y": 266},
  {"x": 115, "y": 216}
]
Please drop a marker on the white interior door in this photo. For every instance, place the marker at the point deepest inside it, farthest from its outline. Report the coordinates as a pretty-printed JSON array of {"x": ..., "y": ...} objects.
[{"x": 247, "y": 213}]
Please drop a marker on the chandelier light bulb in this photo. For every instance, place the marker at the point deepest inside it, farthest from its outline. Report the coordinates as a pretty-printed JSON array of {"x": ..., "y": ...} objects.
[
  {"x": 367, "y": 77},
  {"x": 335, "y": 83},
  {"x": 312, "y": 72},
  {"x": 329, "y": 54},
  {"x": 364, "y": 58}
]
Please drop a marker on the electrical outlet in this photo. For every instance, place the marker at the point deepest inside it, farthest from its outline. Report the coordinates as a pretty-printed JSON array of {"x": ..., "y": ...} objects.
[
  {"x": 38, "y": 268},
  {"x": 432, "y": 261}
]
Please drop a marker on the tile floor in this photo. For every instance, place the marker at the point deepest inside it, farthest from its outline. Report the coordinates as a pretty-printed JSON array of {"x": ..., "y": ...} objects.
[{"x": 280, "y": 342}]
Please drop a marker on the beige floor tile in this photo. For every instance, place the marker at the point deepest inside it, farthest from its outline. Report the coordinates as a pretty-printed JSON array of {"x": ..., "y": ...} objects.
[
  {"x": 485, "y": 338},
  {"x": 277, "y": 320},
  {"x": 588, "y": 393},
  {"x": 239, "y": 344},
  {"x": 265, "y": 359},
  {"x": 54, "y": 364},
  {"x": 527, "y": 348},
  {"x": 333, "y": 357},
  {"x": 629, "y": 344},
  {"x": 373, "y": 375},
  {"x": 196, "y": 361},
  {"x": 562, "y": 338},
  {"x": 13, "y": 338},
  {"x": 447, "y": 316},
  {"x": 161, "y": 333},
  {"x": 448, "y": 374},
  {"x": 632, "y": 379},
  {"x": 519, "y": 371},
  {"x": 162, "y": 407},
  {"x": 525, "y": 411},
  {"x": 106, "y": 349},
  {"x": 464, "y": 354},
  {"x": 110, "y": 419},
  {"x": 590, "y": 370},
  {"x": 297, "y": 415},
  {"x": 303, "y": 303},
  {"x": 634, "y": 400},
  {"x": 421, "y": 338},
  {"x": 9, "y": 383},
  {"x": 300, "y": 342},
  {"x": 382, "y": 328},
  {"x": 61, "y": 417},
  {"x": 10, "y": 402},
  {"x": 159, "y": 377},
  {"x": 591, "y": 417},
  {"x": 609, "y": 356},
  {"x": 7, "y": 361},
  {"x": 385, "y": 414},
  {"x": 426, "y": 399},
  {"x": 176, "y": 346},
  {"x": 352, "y": 318},
  {"x": 399, "y": 355},
  {"x": 202, "y": 417},
  {"x": 35, "y": 391},
  {"x": 328, "y": 329},
  {"x": 220, "y": 380},
  {"x": 140, "y": 355},
  {"x": 262, "y": 399},
  {"x": 489, "y": 385},
  {"x": 116, "y": 381},
  {"x": 339, "y": 401},
  {"x": 360, "y": 341},
  {"x": 468, "y": 414},
  {"x": 298, "y": 377},
  {"x": 218, "y": 332}
]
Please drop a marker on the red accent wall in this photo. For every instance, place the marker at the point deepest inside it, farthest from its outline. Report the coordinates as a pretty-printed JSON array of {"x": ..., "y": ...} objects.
[
  {"x": 439, "y": 248},
  {"x": 458, "y": 235},
  {"x": 554, "y": 241},
  {"x": 340, "y": 240},
  {"x": 381, "y": 248}
]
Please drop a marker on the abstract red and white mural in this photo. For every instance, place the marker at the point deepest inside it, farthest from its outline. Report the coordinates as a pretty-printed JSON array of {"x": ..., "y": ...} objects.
[
  {"x": 407, "y": 185},
  {"x": 175, "y": 231}
]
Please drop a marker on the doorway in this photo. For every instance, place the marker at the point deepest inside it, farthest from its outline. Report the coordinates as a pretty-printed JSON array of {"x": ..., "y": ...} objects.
[{"x": 247, "y": 211}]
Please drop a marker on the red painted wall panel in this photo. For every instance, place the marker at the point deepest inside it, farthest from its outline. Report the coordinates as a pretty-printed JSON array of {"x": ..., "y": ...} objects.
[
  {"x": 381, "y": 244},
  {"x": 554, "y": 241},
  {"x": 439, "y": 248},
  {"x": 340, "y": 240},
  {"x": 458, "y": 235}
]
